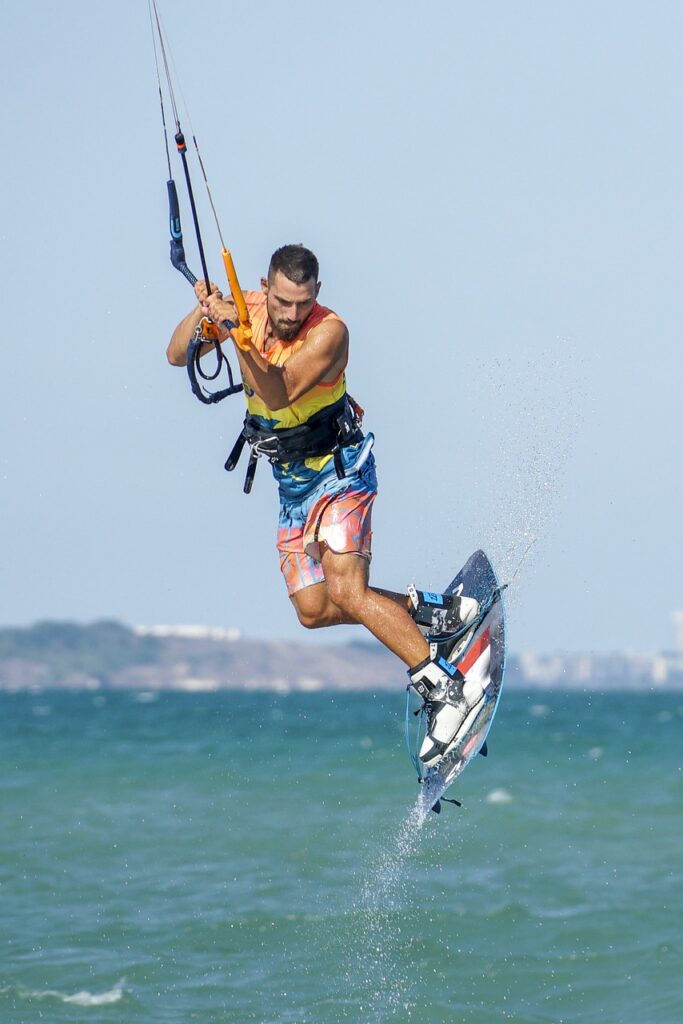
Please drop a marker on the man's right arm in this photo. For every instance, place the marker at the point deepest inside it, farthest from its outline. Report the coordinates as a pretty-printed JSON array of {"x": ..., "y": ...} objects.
[{"x": 176, "y": 353}]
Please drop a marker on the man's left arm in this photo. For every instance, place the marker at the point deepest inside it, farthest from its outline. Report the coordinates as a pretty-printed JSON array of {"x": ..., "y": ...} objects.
[{"x": 320, "y": 360}]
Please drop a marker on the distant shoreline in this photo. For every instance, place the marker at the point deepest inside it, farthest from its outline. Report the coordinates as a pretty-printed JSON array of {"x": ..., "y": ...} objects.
[{"x": 112, "y": 656}]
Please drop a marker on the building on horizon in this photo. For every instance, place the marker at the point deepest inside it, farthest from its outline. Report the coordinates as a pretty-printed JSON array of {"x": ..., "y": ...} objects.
[{"x": 677, "y": 617}]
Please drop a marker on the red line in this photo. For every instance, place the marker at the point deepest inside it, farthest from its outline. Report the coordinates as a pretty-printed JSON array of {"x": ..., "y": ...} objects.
[{"x": 475, "y": 651}]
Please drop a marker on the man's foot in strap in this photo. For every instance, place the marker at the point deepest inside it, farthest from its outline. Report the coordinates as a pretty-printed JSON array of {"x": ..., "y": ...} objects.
[
  {"x": 451, "y": 701},
  {"x": 441, "y": 613}
]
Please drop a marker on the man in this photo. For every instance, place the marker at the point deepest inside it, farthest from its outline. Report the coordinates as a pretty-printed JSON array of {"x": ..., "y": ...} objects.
[{"x": 300, "y": 415}]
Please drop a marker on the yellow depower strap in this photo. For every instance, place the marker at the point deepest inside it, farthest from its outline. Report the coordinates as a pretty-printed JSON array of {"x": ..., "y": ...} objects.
[{"x": 242, "y": 334}]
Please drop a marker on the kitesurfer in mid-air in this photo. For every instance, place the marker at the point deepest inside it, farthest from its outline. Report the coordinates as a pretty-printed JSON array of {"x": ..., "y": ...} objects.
[{"x": 300, "y": 416}]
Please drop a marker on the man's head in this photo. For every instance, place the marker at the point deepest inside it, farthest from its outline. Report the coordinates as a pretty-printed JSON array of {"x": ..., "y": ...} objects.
[{"x": 291, "y": 289}]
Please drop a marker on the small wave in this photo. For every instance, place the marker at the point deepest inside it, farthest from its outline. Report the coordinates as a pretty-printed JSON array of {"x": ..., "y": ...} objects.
[
  {"x": 82, "y": 998},
  {"x": 499, "y": 796}
]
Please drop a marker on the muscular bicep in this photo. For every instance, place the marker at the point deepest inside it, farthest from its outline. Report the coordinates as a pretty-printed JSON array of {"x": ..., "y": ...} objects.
[{"x": 320, "y": 360}]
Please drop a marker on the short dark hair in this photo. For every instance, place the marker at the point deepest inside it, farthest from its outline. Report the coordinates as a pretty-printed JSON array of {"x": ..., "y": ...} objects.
[{"x": 296, "y": 262}]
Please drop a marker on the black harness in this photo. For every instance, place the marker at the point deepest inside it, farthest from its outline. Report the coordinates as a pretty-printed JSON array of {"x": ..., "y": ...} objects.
[{"x": 325, "y": 433}]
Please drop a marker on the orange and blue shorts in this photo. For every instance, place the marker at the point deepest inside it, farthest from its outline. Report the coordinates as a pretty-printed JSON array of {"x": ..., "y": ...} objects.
[{"x": 336, "y": 514}]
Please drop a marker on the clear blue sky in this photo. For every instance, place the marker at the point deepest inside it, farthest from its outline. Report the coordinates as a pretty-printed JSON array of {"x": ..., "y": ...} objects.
[{"x": 494, "y": 193}]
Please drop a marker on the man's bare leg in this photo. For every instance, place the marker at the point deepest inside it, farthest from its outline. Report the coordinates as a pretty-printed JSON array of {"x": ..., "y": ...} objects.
[
  {"x": 402, "y": 599},
  {"x": 346, "y": 598},
  {"x": 316, "y": 610}
]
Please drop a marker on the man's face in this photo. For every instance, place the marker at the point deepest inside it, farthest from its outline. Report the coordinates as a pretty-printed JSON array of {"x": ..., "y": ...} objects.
[{"x": 289, "y": 304}]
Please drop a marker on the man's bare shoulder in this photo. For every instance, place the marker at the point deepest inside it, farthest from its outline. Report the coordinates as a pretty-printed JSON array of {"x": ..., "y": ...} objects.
[
  {"x": 330, "y": 328},
  {"x": 329, "y": 339},
  {"x": 327, "y": 344}
]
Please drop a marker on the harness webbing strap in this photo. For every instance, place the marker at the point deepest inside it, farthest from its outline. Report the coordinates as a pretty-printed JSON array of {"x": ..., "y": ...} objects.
[{"x": 325, "y": 433}]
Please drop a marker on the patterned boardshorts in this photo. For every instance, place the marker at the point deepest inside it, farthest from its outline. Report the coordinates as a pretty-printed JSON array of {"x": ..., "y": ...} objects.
[{"x": 338, "y": 513}]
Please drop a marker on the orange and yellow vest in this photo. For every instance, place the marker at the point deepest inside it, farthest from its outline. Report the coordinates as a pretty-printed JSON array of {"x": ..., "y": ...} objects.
[{"x": 296, "y": 477}]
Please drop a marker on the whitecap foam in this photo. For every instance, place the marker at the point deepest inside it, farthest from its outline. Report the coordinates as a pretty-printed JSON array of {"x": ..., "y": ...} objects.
[
  {"x": 146, "y": 696},
  {"x": 81, "y": 998},
  {"x": 499, "y": 796}
]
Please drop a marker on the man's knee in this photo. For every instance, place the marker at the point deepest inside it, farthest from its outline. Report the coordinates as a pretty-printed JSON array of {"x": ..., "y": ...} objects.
[
  {"x": 311, "y": 620},
  {"x": 313, "y": 608}
]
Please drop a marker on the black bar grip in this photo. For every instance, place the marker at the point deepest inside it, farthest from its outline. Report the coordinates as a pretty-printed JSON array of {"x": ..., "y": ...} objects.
[
  {"x": 234, "y": 456},
  {"x": 174, "y": 212},
  {"x": 251, "y": 469},
  {"x": 179, "y": 263},
  {"x": 177, "y": 247}
]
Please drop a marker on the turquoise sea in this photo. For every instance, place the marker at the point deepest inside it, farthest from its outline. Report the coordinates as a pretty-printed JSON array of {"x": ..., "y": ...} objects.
[{"x": 238, "y": 858}]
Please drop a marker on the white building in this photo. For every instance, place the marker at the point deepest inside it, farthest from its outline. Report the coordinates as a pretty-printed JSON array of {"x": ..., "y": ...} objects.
[
  {"x": 678, "y": 630},
  {"x": 230, "y": 635}
]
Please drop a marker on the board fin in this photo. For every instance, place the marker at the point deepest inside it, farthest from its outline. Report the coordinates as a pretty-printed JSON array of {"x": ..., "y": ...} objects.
[
  {"x": 484, "y": 749},
  {"x": 446, "y": 800}
]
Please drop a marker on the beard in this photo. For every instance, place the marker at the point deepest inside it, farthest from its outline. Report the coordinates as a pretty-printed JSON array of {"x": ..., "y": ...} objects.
[{"x": 285, "y": 330}]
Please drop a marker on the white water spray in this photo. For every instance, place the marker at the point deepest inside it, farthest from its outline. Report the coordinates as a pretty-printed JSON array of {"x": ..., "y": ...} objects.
[{"x": 380, "y": 935}]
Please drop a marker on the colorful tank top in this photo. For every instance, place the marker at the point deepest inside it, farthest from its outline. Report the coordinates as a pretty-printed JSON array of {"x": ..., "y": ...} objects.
[{"x": 296, "y": 478}]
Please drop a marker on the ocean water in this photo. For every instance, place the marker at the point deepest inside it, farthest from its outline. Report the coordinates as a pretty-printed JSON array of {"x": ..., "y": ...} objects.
[{"x": 236, "y": 858}]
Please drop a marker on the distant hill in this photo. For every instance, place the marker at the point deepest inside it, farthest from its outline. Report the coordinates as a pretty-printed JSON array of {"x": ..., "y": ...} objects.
[{"x": 110, "y": 654}]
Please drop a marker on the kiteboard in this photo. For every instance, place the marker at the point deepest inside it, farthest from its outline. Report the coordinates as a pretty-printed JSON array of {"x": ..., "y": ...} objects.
[{"x": 477, "y": 649}]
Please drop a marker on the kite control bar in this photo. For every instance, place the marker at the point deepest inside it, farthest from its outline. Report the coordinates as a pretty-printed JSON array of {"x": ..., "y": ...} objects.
[{"x": 206, "y": 332}]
